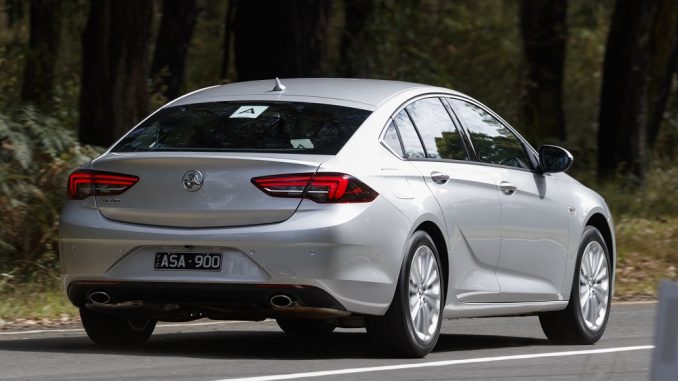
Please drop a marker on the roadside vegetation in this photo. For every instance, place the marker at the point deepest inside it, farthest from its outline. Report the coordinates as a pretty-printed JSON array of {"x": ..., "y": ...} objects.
[
  {"x": 647, "y": 255},
  {"x": 37, "y": 154}
]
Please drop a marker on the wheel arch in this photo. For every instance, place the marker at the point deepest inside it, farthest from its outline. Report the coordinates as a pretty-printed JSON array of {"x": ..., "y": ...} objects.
[
  {"x": 432, "y": 229},
  {"x": 598, "y": 221}
]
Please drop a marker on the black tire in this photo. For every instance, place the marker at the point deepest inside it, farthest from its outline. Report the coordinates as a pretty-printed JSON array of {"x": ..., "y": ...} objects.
[
  {"x": 114, "y": 330},
  {"x": 310, "y": 327},
  {"x": 394, "y": 334},
  {"x": 568, "y": 326}
]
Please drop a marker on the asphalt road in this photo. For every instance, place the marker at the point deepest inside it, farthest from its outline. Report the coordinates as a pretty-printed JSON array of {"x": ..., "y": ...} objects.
[{"x": 469, "y": 349}]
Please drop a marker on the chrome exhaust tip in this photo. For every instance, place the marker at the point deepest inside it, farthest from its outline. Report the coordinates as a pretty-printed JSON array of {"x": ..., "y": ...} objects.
[
  {"x": 99, "y": 297},
  {"x": 281, "y": 301}
]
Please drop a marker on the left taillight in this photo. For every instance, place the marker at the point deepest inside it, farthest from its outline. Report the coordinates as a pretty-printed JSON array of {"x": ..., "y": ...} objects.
[
  {"x": 84, "y": 183},
  {"x": 319, "y": 187}
]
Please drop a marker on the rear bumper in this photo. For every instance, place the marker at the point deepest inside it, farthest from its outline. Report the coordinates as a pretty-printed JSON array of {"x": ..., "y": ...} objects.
[
  {"x": 347, "y": 253},
  {"x": 199, "y": 294},
  {"x": 189, "y": 301}
]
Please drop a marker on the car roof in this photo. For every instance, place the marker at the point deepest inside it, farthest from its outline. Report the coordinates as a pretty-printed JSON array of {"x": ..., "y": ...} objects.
[{"x": 372, "y": 92}]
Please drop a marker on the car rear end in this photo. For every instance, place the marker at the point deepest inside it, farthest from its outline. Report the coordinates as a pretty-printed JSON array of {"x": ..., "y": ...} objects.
[{"x": 222, "y": 209}]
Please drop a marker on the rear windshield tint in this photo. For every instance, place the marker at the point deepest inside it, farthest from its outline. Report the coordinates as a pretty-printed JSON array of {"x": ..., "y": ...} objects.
[{"x": 283, "y": 127}]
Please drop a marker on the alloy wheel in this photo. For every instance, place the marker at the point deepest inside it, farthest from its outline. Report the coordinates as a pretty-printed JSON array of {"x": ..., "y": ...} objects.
[
  {"x": 424, "y": 293},
  {"x": 594, "y": 286}
]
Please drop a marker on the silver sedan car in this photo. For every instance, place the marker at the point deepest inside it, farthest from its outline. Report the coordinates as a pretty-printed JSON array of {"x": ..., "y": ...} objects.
[{"x": 326, "y": 203}]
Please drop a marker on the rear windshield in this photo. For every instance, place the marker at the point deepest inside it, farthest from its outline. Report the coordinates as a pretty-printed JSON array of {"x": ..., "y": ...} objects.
[{"x": 284, "y": 127}]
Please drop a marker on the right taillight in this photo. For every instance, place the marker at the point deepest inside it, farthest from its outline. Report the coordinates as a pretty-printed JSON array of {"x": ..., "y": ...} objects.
[
  {"x": 319, "y": 187},
  {"x": 84, "y": 183}
]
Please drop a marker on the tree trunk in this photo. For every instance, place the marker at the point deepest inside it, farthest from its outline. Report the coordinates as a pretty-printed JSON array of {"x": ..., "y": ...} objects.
[
  {"x": 228, "y": 31},
  {"x": 38, "y": 81},
  {"x": 639, "y": 58},
  {"x": 663, "y": 60},
  {"x": 544, "y": 34},
  {"x": 176, "y": 29},
  {"x": 114, "y": 94},
  {"x": 282, "y": 38}
]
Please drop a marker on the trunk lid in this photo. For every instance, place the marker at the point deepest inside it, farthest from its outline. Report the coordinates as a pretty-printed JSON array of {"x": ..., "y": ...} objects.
[{"x": 225, "y": 198}]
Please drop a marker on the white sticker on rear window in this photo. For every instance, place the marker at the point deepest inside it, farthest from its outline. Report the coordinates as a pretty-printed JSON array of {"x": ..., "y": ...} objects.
[
  {"x": 251, "y": 112},
  {"x": 301, "y": 143}
]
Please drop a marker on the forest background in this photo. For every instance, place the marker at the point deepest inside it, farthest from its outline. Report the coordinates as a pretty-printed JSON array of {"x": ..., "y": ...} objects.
[{"x": 597, "y": 77}]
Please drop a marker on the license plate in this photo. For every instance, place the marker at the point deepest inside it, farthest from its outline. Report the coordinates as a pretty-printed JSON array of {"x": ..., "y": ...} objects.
[{"x": 188, "y": 261}]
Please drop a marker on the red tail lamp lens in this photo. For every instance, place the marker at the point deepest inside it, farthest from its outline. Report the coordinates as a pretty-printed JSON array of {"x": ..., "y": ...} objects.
[
  {"x": 319, "y": 187},
  {"x": 84, "y": 183},
  {"x": 284, "y": 185}
]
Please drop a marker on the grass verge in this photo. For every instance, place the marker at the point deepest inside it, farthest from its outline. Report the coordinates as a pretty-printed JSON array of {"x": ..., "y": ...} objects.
[
  {"x": 30, "y": 304},
  {"x": 647, "y": 252}
]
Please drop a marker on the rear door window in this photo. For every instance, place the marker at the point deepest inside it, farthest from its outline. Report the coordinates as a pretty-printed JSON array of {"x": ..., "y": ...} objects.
[
  {"x": 281, "y": 127},
  {"x": 439, "y": 134}
]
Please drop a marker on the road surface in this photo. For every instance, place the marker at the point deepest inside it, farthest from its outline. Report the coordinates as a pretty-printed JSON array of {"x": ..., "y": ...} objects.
[{"x": 468, "y": 349}]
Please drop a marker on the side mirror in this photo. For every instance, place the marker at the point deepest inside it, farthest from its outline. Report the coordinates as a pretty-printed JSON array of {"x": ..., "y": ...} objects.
[{"x": 554, "y": 159}]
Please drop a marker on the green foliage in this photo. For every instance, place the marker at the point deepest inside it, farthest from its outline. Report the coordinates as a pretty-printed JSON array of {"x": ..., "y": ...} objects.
[
  {"x": 468, "y": 45},
  {"x": 37, "y": 153},
  {"x": 654, "y": 199},
  {"x": 203, "y": 63}
]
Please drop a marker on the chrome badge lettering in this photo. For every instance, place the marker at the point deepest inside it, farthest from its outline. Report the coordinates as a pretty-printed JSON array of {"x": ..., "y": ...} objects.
[{"x": 192, "y": 180}]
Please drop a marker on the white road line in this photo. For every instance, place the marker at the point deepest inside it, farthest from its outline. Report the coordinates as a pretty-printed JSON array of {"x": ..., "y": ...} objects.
[
  {"x": 42, "y": 331},
  {"x": 173, "y": 325},
  {"x": 632, "y": 303},
  {"x": 325, "y": 373}
]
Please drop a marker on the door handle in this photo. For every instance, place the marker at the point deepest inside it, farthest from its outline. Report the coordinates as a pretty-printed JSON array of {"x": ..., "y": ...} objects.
[
  {"x": 439, "y": 178},
  {"x": 507, "y": 188}
]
